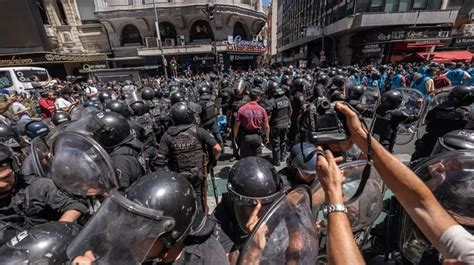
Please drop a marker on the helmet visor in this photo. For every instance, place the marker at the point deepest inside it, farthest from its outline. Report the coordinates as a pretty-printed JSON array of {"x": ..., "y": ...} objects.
[
  {"x": 80, "y": 165},
  {"x": 109, "y": 237}
]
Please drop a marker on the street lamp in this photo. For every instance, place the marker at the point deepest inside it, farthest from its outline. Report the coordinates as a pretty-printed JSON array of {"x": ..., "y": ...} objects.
[
  {"x": 209, "y": 12},
  {"x": 157, "y": 26}
]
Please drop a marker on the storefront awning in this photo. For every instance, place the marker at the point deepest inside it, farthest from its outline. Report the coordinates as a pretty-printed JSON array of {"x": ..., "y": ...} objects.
[
  {"x": 440, "y": 57},
  {"x": 448, "y": 56}
]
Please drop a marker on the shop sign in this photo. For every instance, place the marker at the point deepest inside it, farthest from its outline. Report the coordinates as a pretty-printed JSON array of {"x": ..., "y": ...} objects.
[
  {"x": 208, "y": 57},
  {"x": 394, "y": 35},
  {"x": 372, "y": 48},
  {"x": 241, "y": 57},
  {"x": 89, "y": 67},
  {"x": 313, "y": 31},
  {"x": 463, "y": 42},
  {"x": 468, "y": 30},
  {"x": 428, "y": 34},
  {"x": 237, "y": 44},
  {"x": 42, "y": 58}
]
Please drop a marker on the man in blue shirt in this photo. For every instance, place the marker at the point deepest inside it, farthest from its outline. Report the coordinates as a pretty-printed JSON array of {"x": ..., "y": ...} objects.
[{"x": 458, "y": 76}]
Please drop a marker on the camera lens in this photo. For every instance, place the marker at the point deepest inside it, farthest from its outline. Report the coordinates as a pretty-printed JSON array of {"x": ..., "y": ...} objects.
[{"x": 325, "y": 104}]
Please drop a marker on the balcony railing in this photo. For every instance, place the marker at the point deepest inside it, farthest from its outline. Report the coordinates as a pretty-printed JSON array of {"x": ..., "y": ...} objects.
[{"x": 104, "y": 5}]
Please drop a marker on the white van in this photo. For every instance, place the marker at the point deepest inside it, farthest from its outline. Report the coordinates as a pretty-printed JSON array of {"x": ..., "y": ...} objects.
[{"x": 19, "y": 78}]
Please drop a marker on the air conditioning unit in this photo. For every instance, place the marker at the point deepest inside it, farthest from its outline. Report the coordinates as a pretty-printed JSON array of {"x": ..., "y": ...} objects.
[
  {"x": 151, "y": 42},
  {"x": 181, "y": 40}
]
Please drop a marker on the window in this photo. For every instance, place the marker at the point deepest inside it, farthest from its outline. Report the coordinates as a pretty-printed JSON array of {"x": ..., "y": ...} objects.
[
  {"x": 131, "y": 36},
  {"x": 26, "y": 75},
  {"x": 239, "y": 30},
  {"x": 201, "y": 30},
  {"x": 419, "y": 4},
  {"x": 376, "y": 6},
  {"x": 404, "y": 5},
  {"x": 434, "y": 4},
  {"x": 455, "y": 4},
  {"x": 363, "y": 6},
  {"x": 61, "y": 13},
  {"x": 5, "y": 80},
  {"x": 42, "y": 11},
  {"x": 167, "y": 31},
  {"x": 391, "y": 5}
]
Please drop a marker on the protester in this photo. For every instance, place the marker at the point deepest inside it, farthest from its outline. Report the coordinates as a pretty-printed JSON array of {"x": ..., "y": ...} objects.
[{"x": 47, "y": 104}]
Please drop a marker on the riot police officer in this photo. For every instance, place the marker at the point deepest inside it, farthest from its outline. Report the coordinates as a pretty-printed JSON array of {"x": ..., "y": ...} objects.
[
  {"x": 170, "y": 228},
  {"x": 35, "y": 129},
  {"x": 279, "y": 108},
  {"x": 453, "y": 114},
  {"x": 112, "y": 131},
  {"x": 196, "y": 108},
  {"x": 301, "y": 165},
  {"x": 184, "y": 147},
  {"x": 30, "y": 200},
  {"x": 239, "y": 99},
  {"x": 298, "y": 101},
  {"x": 251, "y": 180},
  {"x": 208, "y": 114},
  {"x": 389, "y": 118}
]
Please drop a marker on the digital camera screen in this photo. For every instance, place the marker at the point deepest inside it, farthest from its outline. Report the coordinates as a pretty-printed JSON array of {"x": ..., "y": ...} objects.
[{"x": 327, "y": 121}]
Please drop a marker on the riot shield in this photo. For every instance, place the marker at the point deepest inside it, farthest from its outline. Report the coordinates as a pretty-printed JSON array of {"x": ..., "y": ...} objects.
[
  {"x": 413, "y": 104},
  {"x": 80, "y": 165},
  {"x": 41, "y": 157},
  {"x": 56, "y": 131},
  {"x": 450, "y": 176},
  {"x": 107, "y": 236},
  {"x": 370, "y": 101},
  {"x": 362, "y": 212},
  {"x": 436, "y": 98},
  {"x": 75, "y": 112},
  {"x": 286, "y": 234}
]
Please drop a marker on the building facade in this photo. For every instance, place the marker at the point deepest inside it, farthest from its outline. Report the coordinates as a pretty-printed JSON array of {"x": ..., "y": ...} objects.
[
  {"x": 187, "y": 34},
  {"x": 67, "y": 44},
  {"x": 361, "y": 31}
]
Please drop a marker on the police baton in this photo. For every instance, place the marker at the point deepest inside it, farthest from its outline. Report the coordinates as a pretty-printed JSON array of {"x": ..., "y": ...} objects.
[{"x": 214, "y": 187}]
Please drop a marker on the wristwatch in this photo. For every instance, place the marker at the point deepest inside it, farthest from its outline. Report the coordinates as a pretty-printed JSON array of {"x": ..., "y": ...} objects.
[{"x": 332, "y": 208}]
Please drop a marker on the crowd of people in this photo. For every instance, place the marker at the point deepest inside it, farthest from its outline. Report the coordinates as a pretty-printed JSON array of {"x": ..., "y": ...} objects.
[{"x": 117, "y": 172}]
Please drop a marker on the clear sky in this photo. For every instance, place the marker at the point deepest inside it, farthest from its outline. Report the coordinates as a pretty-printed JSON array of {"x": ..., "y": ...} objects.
[{"x": 265, "y": 2}]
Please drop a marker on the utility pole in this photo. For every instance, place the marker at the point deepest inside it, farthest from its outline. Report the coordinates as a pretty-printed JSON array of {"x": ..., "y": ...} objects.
[
  {"x": 160, "y": 45},
  {"x": 209, "y": 12}
]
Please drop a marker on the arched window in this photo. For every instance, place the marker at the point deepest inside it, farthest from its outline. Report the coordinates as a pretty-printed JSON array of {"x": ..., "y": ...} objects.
[
  {"x": 201, "y": 30},
  {"x": 167, "y": 31},
  {"x": 239, "y": 30},
  {"x": 131, "y": 35},
  {"x": 42, "y": 11},
  {"x": 61, "y": 12}
]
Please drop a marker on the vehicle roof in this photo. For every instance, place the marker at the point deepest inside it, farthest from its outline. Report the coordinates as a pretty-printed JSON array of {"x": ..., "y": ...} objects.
[{"x": 22, "y": 68}]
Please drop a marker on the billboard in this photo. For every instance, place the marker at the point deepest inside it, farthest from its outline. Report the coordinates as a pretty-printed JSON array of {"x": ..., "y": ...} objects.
[{"x": 21, "y": 27}]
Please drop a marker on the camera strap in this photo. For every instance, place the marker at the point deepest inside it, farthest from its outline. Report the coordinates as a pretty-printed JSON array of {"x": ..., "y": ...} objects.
[{"x": 367, "y": 168}]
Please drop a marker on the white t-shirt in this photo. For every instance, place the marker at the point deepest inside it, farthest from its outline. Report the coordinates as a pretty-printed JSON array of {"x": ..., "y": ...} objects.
[
  {"x": 16, "y": 107},
  {"x": 91, "y": 90},
  {"x": 61, "y": 103}
]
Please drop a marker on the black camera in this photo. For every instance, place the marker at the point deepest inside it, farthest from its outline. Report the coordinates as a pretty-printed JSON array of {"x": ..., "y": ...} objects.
[{"x": 322, "y": 124}]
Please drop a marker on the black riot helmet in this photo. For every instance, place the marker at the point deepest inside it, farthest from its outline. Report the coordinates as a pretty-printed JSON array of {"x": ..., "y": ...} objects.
[
  {"x": 332, "y": 73},
  {"x": 60, "y": 117},
  {"x": 35, "y": 129},
  {"x": 302, "y": 159},
  {"x": 147, "y": 93},
  {"x": 355, "y": 92},
  {"x": 110, "y": 129},
  {"x": 258, "y": 81},
  {"x": 8, "y": 158},
  {"x": 300, "y": 84},
  {"x": 138, "y": 108},
  {"x": 181, "y": 114},
  {"x": 204, "y": 90},
  {"x": 103, "y": 96},
  {"x": 225, "y": 83},
  {"x": 177, "y": 97},
  {"x": 454, "y": 140},
  {"x": 252, "y": 180},
  {"x": 390, "y": 100},
  {"x": 41, "y": 244},
  {"x": 272, "y": 85},
  {"x": 338, "y": 81},
  {"x": 322, "y": 79},
  {"x": 157, "y": 93},
  {"x": 162, "y": 208},
  {"x": 240, "y": 87},
  {"x": 462, "y": 95},
  {"x": 286, "y": 80},
  {"x": 116, "y": 106},
  {"x": 9, "y": 136}
]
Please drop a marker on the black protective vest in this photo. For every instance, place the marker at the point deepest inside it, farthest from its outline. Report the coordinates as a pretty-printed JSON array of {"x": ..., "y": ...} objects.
[
  {"x": 279, "y": 117},
  {"x": 208, "y": 113},
  {"x": 187, "y": 154}
]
